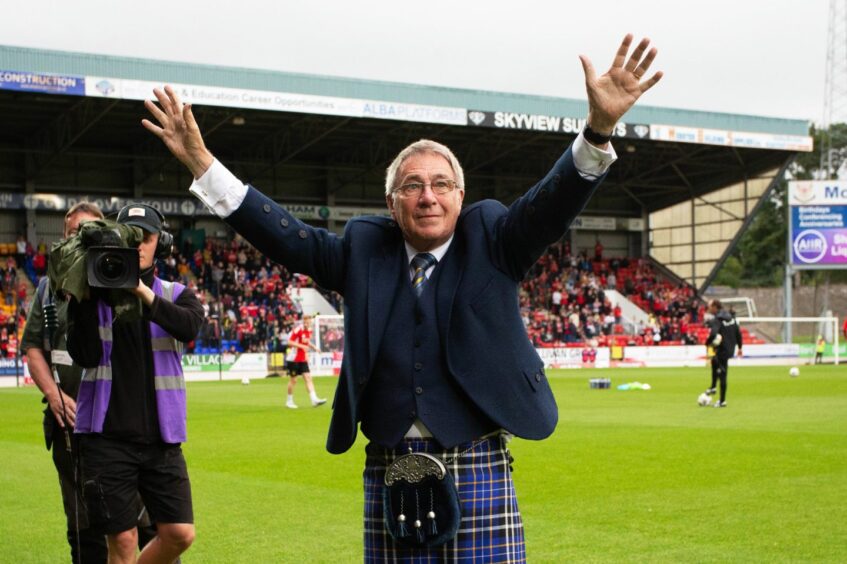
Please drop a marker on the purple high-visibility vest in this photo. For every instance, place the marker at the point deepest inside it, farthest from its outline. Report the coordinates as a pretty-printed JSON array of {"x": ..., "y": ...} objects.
[{"x": 96, "y": 386}]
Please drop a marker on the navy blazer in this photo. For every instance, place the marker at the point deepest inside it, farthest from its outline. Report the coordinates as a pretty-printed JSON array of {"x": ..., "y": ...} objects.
[{"x": 478, "y": 315}]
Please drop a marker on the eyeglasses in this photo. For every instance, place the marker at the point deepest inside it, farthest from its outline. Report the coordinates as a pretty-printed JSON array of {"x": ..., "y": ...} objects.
[{"x": 415, "y": 189}]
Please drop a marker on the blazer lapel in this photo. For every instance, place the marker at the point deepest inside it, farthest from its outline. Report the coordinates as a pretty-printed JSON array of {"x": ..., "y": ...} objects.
[
  {"x": 383, "y": 275},
  {"x": 448, "y": 283}
]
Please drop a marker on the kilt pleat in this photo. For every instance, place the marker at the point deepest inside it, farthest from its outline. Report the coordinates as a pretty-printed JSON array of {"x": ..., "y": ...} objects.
[{"x": 491, "y": 529}]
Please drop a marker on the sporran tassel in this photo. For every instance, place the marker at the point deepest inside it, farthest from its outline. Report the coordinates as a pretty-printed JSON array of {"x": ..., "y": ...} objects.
[
  {"x": 432, "y": 529},
  {"x": 430, "y": 517},
  {"x": 402, "y": 529},
  {"x": 418, "y": 529}
]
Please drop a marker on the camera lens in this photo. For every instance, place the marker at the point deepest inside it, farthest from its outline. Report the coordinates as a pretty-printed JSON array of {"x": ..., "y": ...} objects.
[{"x": 111, "y": 266}]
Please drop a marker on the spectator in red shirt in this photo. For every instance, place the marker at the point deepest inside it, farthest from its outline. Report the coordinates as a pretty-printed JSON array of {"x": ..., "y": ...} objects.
[{"x": 39, "y": 263}]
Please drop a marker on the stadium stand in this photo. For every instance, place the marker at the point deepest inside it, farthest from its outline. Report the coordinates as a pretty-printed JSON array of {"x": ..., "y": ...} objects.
[
  {"x": 566, "y": 299},
  {"x": 14, "y": 294},
  {"x": 251, "y": 302}
]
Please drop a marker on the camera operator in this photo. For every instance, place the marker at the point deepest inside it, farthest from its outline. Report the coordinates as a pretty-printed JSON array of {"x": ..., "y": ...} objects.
[
  {"x": 45, "y": 347},
  {"x": 131, "y": 404},
  {"x": 45, "y": 344}
]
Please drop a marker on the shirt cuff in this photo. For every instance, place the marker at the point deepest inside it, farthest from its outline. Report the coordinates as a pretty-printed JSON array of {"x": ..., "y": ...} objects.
[
  {"x": 219, "y": 190},
  {"x": 591, "y": 162}
]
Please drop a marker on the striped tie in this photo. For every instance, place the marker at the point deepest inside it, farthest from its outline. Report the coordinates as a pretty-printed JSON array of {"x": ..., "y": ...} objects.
[{"x": 420, "y": 263}]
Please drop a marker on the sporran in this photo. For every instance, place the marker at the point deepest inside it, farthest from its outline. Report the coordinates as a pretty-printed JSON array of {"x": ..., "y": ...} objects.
[{"x": 420, "y": 501}]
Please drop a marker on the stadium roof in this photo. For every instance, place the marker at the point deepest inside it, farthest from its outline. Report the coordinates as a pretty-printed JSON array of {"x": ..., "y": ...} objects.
[
  {"x": 62, "y": 62},
  {"x": 71, "y": 126}
]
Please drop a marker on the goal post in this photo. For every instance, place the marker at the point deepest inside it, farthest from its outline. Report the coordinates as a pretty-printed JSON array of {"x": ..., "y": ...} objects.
[
  {"x": 329, "y": 333},
  {"x": 328, "y": 337},
  {"x": 804, "y": 330}
]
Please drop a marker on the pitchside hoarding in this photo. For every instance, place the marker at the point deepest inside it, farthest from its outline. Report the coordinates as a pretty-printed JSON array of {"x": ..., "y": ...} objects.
[
  {"x": 818, "y": 224},
  {"x": 255, "y": 365}
]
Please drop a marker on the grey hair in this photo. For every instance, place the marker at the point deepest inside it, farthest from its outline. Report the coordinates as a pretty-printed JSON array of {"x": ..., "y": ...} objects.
[
  {"x": 416, "y": 148},
  {"x": 84, "y": 207}
]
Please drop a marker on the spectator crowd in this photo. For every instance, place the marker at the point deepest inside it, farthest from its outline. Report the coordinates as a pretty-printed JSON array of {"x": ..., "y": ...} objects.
[
  {"x": 565, "y": 300},
  {"x": 252, "y": 303}
]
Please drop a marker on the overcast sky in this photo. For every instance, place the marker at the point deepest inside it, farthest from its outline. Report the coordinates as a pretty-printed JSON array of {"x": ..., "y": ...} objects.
[{"x": 741, "y": 56}]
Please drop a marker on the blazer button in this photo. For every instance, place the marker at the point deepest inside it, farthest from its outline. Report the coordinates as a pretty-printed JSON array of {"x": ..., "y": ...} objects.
[
  {"x": 302, "y": 234},
  {"x": 283, "y": 222},
  {"x": 419, "y": 390},
  {"x": 418, "y": 365},
  {"x": 266, "y": 208},
  {"x": 557, "y": 179},
  {"x": 538, "y": 377}
]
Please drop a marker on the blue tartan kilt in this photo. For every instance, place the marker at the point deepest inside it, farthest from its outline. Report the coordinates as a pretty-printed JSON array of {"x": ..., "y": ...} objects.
[{"x": 491, "y": 529}]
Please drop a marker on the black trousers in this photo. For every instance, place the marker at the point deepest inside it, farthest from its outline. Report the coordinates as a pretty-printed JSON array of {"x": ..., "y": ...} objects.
[
  {"x": 719, "y": 369},
  {"x": 87, "y": 546}
]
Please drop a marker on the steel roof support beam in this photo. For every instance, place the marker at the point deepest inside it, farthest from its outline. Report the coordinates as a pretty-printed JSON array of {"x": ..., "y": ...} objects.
[
  {"x": 151, "y": 149},
  {"x": 378, "y": 154},
  {"x": 721, "y": 178},
  {"x": 502, "y": 154},
  {"x": 301, "y": 147},
  {"x": 60, "y": 134},
  {"x": 666, "y": 163},
  {"x": 746, "y": 224}
]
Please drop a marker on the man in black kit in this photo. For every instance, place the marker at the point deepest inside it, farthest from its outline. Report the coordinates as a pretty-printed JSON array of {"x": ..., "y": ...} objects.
[
  {"x": 131, "y": 412},
  {"x": 725, "y": 335}
]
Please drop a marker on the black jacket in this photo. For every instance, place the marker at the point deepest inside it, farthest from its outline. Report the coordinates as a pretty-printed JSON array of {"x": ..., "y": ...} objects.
[
  {"x": 479, "y": 323},
  {"x": 725, "y": 325}
]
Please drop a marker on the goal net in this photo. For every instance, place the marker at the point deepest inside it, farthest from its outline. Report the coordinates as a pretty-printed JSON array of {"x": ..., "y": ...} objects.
[
  {"x": 808, "y": 339},
  {"x": 328, "y": 337},
  {"x": 329, "y": 333}
]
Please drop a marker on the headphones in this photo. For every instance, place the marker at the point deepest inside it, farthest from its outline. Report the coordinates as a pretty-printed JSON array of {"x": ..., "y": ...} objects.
[
  {"x": 166, "y": 240},
  {"x": 164, "y": 246}
]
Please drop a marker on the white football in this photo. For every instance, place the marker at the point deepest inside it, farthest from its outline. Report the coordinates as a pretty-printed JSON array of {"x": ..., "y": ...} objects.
[
  {"x": 704, "y": 399},
  {"x": 794, "y": 372},
  {"x": 245, "y": 380}
]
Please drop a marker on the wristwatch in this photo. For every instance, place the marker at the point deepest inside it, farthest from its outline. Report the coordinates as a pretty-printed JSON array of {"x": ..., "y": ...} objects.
[{"x": 594, "y": 137}]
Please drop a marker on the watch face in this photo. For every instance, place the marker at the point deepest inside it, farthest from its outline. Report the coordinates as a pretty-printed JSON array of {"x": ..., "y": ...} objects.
[{"x": 595, "y": 137}]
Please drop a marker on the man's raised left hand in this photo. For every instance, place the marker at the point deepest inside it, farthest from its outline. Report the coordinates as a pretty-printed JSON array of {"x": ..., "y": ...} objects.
[{"x": 613, "y": 93}]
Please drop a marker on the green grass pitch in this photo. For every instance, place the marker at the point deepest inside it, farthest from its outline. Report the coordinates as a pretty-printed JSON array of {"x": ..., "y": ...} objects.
[{"x": 636, "y": 476}]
